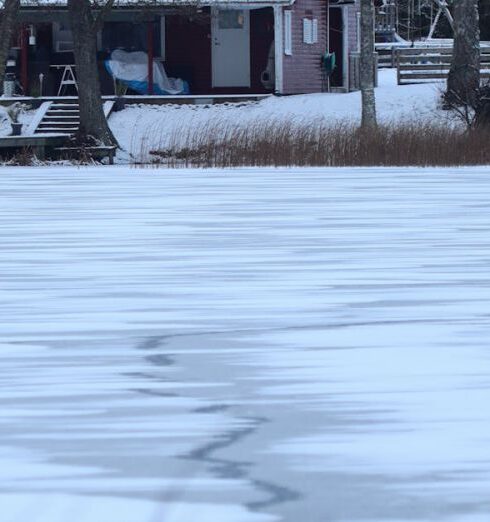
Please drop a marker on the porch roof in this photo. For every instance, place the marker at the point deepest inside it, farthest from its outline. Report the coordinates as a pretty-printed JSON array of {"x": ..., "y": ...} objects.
[{"x": 156, "y": 4}]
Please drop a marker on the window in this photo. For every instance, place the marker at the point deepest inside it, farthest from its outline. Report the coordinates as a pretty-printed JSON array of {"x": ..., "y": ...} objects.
[
  {"x": 310, "y": 31},
  {"x": 288, "y": 40},
  {"x": 314, "y": 30},
  {"x": 231, "y": 19},
  {"x": 126, "y": 35},
  {"x": 62, "y": 38},
  {"x": 307, "y": 31}
]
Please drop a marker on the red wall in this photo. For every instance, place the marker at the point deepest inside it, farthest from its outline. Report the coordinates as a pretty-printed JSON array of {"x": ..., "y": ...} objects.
[
  {"x": 261, "y": 38},
  {"x": 188, "y": 50}
]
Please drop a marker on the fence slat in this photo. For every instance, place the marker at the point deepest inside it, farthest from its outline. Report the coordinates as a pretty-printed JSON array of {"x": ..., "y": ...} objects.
[{"x": 416, "y": 65}]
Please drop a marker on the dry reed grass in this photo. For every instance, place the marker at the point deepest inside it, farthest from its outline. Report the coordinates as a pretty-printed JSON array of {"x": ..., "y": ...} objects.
[{"x": 318, "y": 144}]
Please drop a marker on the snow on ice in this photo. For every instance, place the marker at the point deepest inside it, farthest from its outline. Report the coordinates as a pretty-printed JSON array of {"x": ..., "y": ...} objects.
[{"x": 251, "y": 345}]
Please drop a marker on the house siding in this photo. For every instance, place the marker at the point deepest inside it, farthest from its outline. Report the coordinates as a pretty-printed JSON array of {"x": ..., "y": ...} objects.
[
  {"x": 353, "y": 26},
  {"x": 302, "y": 72}
]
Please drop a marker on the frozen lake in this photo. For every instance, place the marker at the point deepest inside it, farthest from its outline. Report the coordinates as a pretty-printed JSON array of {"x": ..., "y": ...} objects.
[{"x": 244, "y": 346}]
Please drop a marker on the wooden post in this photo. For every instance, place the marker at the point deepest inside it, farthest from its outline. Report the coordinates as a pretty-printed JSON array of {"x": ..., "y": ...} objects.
[
  {"x": 151, "y": 53},
  {"x": 328, "y": 42},
  {"x": 398, "y": 61},
  {"x": 24, "y": 56},
  {"x": 278, "y": 47},
  {"x": 328, "y": 26}
]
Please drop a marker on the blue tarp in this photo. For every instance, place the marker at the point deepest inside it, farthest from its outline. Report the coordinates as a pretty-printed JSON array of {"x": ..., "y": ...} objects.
[{"x": 141, "y": 87}]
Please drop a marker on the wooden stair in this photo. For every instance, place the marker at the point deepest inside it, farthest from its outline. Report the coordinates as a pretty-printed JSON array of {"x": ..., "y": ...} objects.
[{"x": 61, "y": 117}]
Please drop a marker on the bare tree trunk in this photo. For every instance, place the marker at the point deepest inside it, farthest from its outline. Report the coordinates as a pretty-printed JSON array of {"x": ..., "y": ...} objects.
[
  {"x": 464, "y": 76},
  {"x": 366, "y": 75},
  {"x": 8, "y": 22},
  {"x": 84, "y": 25}
]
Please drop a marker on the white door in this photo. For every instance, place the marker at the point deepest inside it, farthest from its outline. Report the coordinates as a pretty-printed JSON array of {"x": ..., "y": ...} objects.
[{"x": 230, "y": 41}]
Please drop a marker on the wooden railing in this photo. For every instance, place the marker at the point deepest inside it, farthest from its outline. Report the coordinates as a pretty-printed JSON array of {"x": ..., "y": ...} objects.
[
  {"x": 386, "y": 56},
  {"x": 431, "y": 65},
  {"x": 387, "y": 50}
]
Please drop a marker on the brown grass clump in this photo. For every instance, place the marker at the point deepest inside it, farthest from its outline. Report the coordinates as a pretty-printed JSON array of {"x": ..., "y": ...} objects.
[
  {"x": 317, "y": 144},
  {"x": 21, "y": 158}
]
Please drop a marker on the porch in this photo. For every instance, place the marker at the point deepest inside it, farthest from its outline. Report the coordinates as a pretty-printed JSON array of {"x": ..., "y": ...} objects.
[
  {"x": 153, "y": 99},
  {"x": 222, "y": 55}
]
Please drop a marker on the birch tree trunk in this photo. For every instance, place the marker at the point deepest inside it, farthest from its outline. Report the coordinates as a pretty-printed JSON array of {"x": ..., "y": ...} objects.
[
  {"x": 464, "y": 75},
  {"x": 8, "y": 22},
  {"x": 85, "y": 25},
  {"x": 366, "y": 74}
]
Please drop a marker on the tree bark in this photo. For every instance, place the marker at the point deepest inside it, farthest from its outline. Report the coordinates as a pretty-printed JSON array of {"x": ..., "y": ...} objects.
[
  {"x": 8, "y": 22},
  {"x": 366, "y": 75},
  {"x": 84, "y": 25},
  {"x": 464, "y": 75}
]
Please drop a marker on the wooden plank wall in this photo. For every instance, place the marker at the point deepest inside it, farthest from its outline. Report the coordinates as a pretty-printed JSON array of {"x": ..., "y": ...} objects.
[
  {"x": 302, "y": 72},
  {"x": 431, "y": 64}
]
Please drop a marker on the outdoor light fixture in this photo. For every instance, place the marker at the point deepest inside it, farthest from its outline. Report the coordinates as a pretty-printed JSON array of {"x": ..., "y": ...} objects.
[{"x": 32, "y": 35}]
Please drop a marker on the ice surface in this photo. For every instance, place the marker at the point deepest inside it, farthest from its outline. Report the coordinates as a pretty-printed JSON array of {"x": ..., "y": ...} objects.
[{"x": 246, "y": 345}]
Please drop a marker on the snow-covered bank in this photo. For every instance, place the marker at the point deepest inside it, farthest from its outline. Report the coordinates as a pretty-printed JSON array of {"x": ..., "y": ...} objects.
[
  {"x": 145, "y": 126},
  {"x": 244, "y": 346},
  {"x": 142, "y": 128}
]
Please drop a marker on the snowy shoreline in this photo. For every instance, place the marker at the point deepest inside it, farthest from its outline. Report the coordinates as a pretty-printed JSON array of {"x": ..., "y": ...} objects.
[
  {"x": 141, "y": 128},
  {"x": 144, "y": 127}
]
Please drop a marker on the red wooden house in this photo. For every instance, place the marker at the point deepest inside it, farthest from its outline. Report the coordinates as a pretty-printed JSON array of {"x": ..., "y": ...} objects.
[{"x": 216, "y": 46}]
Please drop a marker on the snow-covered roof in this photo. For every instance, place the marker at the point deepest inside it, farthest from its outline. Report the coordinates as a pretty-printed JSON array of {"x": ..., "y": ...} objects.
[{"x": 159, "y": 3}]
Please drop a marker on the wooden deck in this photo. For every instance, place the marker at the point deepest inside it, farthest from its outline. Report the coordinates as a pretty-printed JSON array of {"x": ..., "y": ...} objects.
[
  {"x": 201, "y": 99},
  {"x": 38, "y": 143}
]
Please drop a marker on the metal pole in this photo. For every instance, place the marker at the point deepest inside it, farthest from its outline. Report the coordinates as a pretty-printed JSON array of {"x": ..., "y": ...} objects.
[
  {"x": 150, "y": 57},
  {"x": 24, "y": 56}
]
